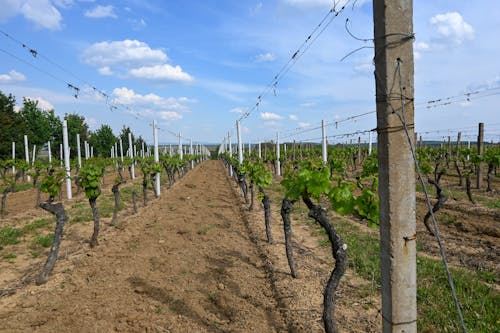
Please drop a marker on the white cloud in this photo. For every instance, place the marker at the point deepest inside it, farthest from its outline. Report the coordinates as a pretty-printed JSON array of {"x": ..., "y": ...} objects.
[
  {"x": 293, "y": 117},
  {"x": 105, "y": 71},
  {"x": 126, "y": 52},
  {"x": 169, "y": 115},
  {"x": 271, "y": 123},
  {"x": 237, "y": 110},
  {"x": 12, "y": 76},
  {"x": 451, "y": 27},
  {"x": 308, "y": 104},
  {"x": 42, "y": 13},
  {"x": 304, "y": 124},
  {"x": 265, "y": 57},
  {"x": 418, "y": 48},
  {"x": 270, "y": 116},
  {"x": 42, "y": 103},
  {"x": 324, "y": 3},
  {"x": 101, "y": 12},
  {"x": 163, "y": 72},
  {"x": 129, "y": 97}
]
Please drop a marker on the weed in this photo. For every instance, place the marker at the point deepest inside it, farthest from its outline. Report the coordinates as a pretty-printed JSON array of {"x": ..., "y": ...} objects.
[
  {"x": 9, "y": 236},
  {"x": 493, "y": 204},
  {"x": 9, "y": 256},
  {"x": 204, "y": 230},
  {"x": 37, "y": 224},
  {"x": 43, "y": 240}
]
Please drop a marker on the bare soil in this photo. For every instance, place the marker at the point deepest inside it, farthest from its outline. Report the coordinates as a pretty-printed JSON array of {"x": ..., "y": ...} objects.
[{"x": 195, "y": 260}]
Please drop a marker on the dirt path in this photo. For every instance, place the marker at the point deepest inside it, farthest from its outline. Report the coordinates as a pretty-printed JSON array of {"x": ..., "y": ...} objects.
[{"x": 185, "y": 264}]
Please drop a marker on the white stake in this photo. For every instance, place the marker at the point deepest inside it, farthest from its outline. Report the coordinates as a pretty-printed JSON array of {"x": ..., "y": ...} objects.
[
  {"x": 230, "y": 153},
  {"x": 191, "y": 152},
  {"x": 121, "y": 150},
  {"x": 66, "y": 160},
  {"x": 50, "y": 153},
  {"x": 33, "y": 156},
  {"x": 61, "y": 154},
  {"x": 240, "y": 144},
  {"x": 180, "y": 146},
  {"x": 278, "y": 163},
  {"x": 27, "y": 153},
  {"x": 323, "y": 142},
  {"x": 157, "y": 157},
  {"x": 369, "y": 143},
  {"x": 131, "y": 154},
  {"x": 13, "y": 157},
  {"x": 79, "y": 150},
  {"x": 260, "y": 150}
]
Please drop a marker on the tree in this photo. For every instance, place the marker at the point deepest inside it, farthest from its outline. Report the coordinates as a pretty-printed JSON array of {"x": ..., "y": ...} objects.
[
  {"x": 76, "y": 125},
  {"x": 12, "y": 127},
  {"x": 102, "y": 140},
  {"x": 38, "y": 123}
]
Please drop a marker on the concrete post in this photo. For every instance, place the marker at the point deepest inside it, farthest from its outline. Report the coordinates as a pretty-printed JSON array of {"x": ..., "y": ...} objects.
[
  {"x": 393, "y": 74},
  {"x": 13, "y": 157},
  {"x": 79, "y": 150},
  {"x": 180, "y": 146},
  {"x": 121, "y": 150},
  {"x": 230, "y": 153},
  {"x": 191, "y": 152},
  {"x": 131, "y": 154},
  {"x": 278, "y": 162},
  {"x": 50, "y": 153},
  {"x": 156, "y": 156},
  {"x": 27, "y": 154},
  {"x": 260, "y": 150},
  {"x": 240, "y": 144},
  {"x": 66, "y": 160},
  {"x": 480, "y": 151},
  {"x": 370, "y": 143}
]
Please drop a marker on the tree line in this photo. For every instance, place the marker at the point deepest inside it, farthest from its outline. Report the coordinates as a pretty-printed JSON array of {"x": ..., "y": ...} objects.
[{"x": 42, "y": 126}]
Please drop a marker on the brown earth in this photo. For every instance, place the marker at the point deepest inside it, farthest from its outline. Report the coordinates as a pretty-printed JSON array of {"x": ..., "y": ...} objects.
[{"x": 194, "y": 260}]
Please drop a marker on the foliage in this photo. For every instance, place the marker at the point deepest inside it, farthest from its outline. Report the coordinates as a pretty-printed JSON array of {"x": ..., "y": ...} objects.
[
  {"x": 102, "y": 140},
  {"x": 52, "y": 182},
  {"x": 89, "y": 178}
]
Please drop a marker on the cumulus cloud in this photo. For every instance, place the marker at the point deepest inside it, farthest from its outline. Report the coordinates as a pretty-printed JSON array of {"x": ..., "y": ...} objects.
[
  {"x": 451, "y": 27},
  {"x": 101, "y": 12},
  {"x": 237, "y": 110},
  {"x": 40, "y": 12},
  {"x": 265, "y": 57},
  {"x": 105, "y": 70},
  {"x": 163, "y": 72},
  {"x": 270, "y": 116},
  {"x": 133, "y": 59},
  {"x": 126, "y": 52},
  {"x": 169, "y": 115},
  {"x": 420, "y": 47},
  {"x": 293, "y": 117},
  {"x": 150, "y": 101},
  {"x": 12, "y": 76},
  {"x": 42, "y": 103}
]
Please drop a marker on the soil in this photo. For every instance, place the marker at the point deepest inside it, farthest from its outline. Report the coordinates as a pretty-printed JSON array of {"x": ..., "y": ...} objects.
[{"x": 193, "y": 260}]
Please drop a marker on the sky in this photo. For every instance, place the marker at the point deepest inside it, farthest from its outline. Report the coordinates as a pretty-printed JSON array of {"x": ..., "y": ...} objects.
[{"x": 196, "y": 66}]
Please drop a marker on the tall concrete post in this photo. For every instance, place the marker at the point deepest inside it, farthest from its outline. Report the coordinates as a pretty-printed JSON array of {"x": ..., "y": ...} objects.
[
  {"x": 50, "y": 153},
  {"x": 79, "y": 150},
  {"x": 324, "y": 151},
  {"x": 394, "y": 78},
  {"x": 278, "y": 162},
  {"x": 370, "y": 143},
  {"x": 240, "y": 144},
  {"x": 27, "y": 154},
  {"x": 191, "y": 152},
  {"x": 156, "y": 157},
  {"x": 13, "y": 157},
  {"x": 131, "y": 154},
  {"x": 480, "y": 151},
  {"x": 66, "y": 160},
  {"x": 180, "y": 146},
  {"x": 230, "y": 153}
]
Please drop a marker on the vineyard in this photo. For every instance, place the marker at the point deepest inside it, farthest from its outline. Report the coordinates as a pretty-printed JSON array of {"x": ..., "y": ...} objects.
[
  {"x": 209, "y": 254},
  {"x": 308, "y": 212}
]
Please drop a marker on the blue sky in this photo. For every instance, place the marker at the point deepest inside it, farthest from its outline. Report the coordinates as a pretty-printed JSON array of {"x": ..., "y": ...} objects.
[{"x": 194, "y": 66}]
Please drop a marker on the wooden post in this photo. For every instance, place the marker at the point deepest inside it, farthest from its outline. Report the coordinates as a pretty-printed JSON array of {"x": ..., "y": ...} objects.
[
  {"x": 480, "y": 151},
  {"x": 393, "y": 31}
]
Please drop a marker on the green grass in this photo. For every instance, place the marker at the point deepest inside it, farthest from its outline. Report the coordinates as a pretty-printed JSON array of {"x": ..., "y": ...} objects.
[
  {"x": 9, "y": 236},
  {"x": 44, "y": 223},
  {"x": 493, "y": 204},
  {"x": 436, "y": 309},
  {"x": 9, "y": 256},
  {"x": 204, "y": 230},
  {"x": 43, "y": 240}
]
